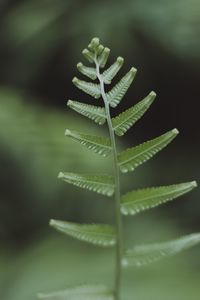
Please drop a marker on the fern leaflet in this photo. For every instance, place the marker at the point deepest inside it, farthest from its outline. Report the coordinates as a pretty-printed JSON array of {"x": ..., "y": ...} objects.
[
  {"x": 146, "y": 254},
  {"x": 140, "y": 200},
  {"x": 93, "y": 89},
  {"x": 97, "y": 234},
  {"x": 103, "y": 57},
  {"x": 95, "y": 113},
  {"x": 119, "y": 90},
  {"x": 87, "y": 71},
  {"x": 131, "y": 158},
  {"x": 128, "y": 118},
  {"x": 88, "y": 55},
  {"x": 111, "y": 72},
  {"x": 101, "y": 184},
  {"x": 98, "y": 144}
]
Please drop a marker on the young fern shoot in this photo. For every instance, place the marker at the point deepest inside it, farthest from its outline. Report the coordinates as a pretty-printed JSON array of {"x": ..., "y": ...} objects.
[{"x": 109, "y": 185}]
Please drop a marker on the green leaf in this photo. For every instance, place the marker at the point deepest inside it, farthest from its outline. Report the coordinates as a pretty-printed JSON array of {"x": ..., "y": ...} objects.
[
  {"x": 87, "y": 71},
  {"x": 96, "y": 234},
  {"x": 83, "y": 292},
  {"x": 110, "y": 73},
  {"x": 100, "y": 145},
  {"x": 94, "y": 44},
  {"x": 95, "y": 113},
  {"x": 88, "y": 55},
  {"x": 103, "y": 57},
  {"x": 145, "y": 254},
  {"x": 131, "y": 158},
  {"x": 119, "y": 90},
  {"x": 126, "y": 119},
  {"x": 90, "y": 88},
  {"x": 101, "y": 184},
  {"x": 140, "y": 200}
]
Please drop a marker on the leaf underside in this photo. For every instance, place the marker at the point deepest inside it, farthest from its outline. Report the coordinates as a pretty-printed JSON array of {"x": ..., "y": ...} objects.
[
  {"x": 128, "y": 118},
  {"x": 96, "y": 234},
  {"x": 119, "y": 90},
  {"x": 140, "y": 200},
  {"x": 101, "y": 184},
  {"x": 131, "y": 158},
  {"x": 100, "y": 145},
  {"x": 145, "y": 254},
  {"x": 92, "y": 89},
  {"x": 83, "y": 292},
  {"x": 95, "y": 113}
]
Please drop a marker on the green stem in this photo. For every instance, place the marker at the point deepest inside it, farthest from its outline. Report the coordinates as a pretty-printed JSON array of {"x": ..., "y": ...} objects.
[{"x": 119, "y": 244}]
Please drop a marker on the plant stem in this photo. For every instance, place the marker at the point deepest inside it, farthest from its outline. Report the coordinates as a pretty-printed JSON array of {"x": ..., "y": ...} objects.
[{"x": 119, "y": 242}]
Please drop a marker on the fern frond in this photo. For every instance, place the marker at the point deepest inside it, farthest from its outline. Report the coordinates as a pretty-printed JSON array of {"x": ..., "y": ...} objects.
[
  {"x": 87, "y": 71},
  {"x": 96, "y": 234},
  {"x": 145, "y": 254},
  {"x": 103, "y": 57},
  {"x": 100, "y": 145},
  {"x": 128, "y": 118},
  {"x": 119, "y": 90},
  {"x": 93, "y": 89},
  {"x": 140, "y": 200},
  {"x": 131, "y": 158},
  {"x": 110, "y": 73},
  {"x": 95, "y": 113},
  {"x": 83, "y": 292},
  {"x": 101, "y": 184}
]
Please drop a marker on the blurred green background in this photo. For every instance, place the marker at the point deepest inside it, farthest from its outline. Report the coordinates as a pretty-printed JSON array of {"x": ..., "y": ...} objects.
[{"x": 41, "y": 43}]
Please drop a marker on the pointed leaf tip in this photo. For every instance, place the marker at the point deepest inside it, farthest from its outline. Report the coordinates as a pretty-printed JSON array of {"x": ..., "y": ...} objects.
[
  {"x": 120, "y": 60},
  {"x": 52, "y": 222},
  {"x": 67, "y": 132},
  {"x": 60, "y": 175},
  {"x": 153, "y": 94},
  {"x": 133, "y": 70},
  {"x": 79, "y": 65},
  {"x": 194, "y": 183},
  {"x": 75, "y": 80},
  {"x": 175, "y": 131},
  {"x": 69, "y": 102},
  {"x": 119, "y": 90}
]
